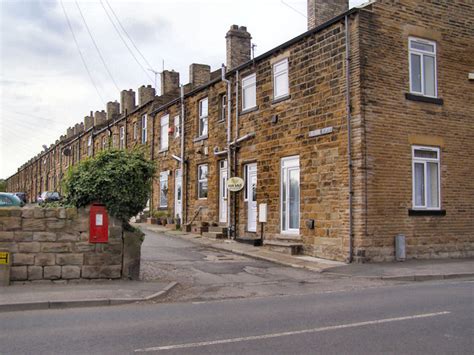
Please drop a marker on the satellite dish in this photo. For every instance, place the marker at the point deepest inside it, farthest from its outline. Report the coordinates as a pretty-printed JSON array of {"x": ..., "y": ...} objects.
[{"x": 67, "y": 152}]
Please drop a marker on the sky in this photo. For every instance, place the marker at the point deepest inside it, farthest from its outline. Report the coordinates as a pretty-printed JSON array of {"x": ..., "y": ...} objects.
[{"x": 45, "y": 86}]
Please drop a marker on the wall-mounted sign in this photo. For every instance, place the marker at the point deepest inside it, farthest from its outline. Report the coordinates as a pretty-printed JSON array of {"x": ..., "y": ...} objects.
[
  {"x": 320, "y": 132},
  {"x": 235, "y": 184},
  {"x": 4, "y": 257}
]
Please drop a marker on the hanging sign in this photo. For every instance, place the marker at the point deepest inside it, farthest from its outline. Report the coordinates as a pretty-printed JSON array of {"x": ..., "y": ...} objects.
[{"x": 235, "y": 184}]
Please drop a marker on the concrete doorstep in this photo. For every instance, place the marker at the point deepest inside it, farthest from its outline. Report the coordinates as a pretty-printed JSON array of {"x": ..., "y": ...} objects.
[
  {"x": 38, "y": 297},
  {"x": 410, "y": 270}
]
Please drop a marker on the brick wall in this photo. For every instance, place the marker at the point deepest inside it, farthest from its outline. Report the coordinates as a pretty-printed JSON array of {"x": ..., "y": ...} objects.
[{"x": 53, "y": 244}]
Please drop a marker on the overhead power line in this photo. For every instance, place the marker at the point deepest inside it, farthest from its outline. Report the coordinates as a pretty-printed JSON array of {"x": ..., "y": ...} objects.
[
  {"x": 125, "y": 42},
  {"x": 80, "y": 52},
  {"x": 295, "y": 10},
  {"x": 96, "y": 47}
]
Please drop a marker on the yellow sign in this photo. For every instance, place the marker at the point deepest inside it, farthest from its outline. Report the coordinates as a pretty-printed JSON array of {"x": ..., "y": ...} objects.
[
  {"x": 235, "y": 184},
  {"x": 4, "y": 257}
]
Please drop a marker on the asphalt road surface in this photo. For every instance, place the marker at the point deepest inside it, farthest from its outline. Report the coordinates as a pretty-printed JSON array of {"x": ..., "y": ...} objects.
[{"x": 420, "y": 318}]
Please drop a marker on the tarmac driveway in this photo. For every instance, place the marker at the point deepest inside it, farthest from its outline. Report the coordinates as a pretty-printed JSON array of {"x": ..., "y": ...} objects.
[{"x": 208, "y": 274}]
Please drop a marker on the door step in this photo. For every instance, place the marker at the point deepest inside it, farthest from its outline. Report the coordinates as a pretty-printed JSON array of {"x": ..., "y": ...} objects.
[
  {"x": 214, "y": 235},
  {"x": 255, "y": 241},
  {"x": 284, "y": 246}
]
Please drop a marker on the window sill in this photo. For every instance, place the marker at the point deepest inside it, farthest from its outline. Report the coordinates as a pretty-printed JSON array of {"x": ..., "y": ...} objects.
[
  {"x": 248, "y": 110},
  {"x": 427, "y": 99},
  {"x": 198, "y": 139},
  {"x": 163, "y": 150},
  {"x": 280, "y": 99},
  {"x": 412, "y": 212}
]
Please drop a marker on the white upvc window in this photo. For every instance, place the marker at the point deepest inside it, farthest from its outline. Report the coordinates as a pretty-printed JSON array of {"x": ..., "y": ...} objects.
[
  {"x": 423, "y": 80},
  {"x": 223, "y": 107},
  {"x": 144, "y": 129},
  {"x": 249, "y": 92},
  {"x": 135, "y": 131},
  {"x": 104, "y": 142},
  {"x": 89, "y": 145},
  {"x": 164, "y": 127},
  {"x": 280, "y": 79},
  {"x": 202, "y": 181},
  {"x": 122, "y": 137},
  {"x": 290, "y": 195},
  {"x": 164, "y": 189},
  {"x": 177, "y": 126},
  {"x": 426, "y": 178},
  {"x": 203, "y": 112}
]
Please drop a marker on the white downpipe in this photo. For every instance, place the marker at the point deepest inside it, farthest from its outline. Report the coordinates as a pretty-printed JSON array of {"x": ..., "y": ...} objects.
[{"x": 229, "y": 154}]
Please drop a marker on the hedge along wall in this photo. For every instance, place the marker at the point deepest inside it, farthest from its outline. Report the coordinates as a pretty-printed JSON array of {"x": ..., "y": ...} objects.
[{"x": 53, "y": 244}]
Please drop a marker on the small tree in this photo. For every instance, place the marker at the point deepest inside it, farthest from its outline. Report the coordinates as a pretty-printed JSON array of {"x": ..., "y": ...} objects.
[
  {"x": 3, "y": 185},
  {"x": 119, "y": 179}
]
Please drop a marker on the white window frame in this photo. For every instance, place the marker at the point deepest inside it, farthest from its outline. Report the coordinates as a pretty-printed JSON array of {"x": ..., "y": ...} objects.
[
  {"x": 246, "y": 170},
  {"x": 89, "y": 145},
  {"x": 203, "y": 118},
  {"x": 277, "y": 72},
  {"x": 104, "y": 142},
  {"x": 223, "y": 111},
  {"x": 122, "y": 137},
  {"x": 164, "y": 134},
  {"x": 424, "y": 161},
  {"x": 177, "y": 126},
  {"x": 249, "y": 84},
  {"x": 164, "y": 182},
  {"x": 135, "y": 131},
  {"x": 144, "y": 129},
  {"x": 199, "y": 181},
  {"x": 288, "y": 164},
  {"x": 422, "y": 54}
]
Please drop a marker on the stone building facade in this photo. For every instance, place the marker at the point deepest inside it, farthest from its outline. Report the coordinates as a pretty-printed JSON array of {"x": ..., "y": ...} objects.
[{"x": 356, "y": 131}]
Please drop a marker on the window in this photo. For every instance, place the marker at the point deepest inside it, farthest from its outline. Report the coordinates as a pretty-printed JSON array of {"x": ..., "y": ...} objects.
[
  {"x": 104, "y": 142},
  {"x": 426, "y": 186},
  {"x": 164, "y": 127},
  {"x": 203, "y": 117},
  {"x": 144, "y": 133},
  {"x": 290, "y": 195},
  {"x": 280, "y": 79},
  {"x": 222, "y": 107},
  {"x": 135, "y": 131},
  {"x": 246, "y": 169},
  {"x": 164, "y": 189},
  {"x": 422, "y": 67},
  {"x": 89, "y": 145},
  {"x": 202, "y": 181},
  {"x": 249, "y": 92},
  {"x": 177, "y": 127},
  {"x": 122, "y": 137}
]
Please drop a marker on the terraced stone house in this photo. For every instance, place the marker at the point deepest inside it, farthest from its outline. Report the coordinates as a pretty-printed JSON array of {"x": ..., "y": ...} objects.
[{"x": 352, "y": 133}]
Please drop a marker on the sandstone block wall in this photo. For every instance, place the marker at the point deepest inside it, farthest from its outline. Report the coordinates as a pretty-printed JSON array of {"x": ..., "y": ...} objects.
[{"x": 53, "y": 244}]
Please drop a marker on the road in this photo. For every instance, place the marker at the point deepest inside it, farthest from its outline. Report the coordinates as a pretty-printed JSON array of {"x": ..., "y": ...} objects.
[{"x": 420, "y": 318}]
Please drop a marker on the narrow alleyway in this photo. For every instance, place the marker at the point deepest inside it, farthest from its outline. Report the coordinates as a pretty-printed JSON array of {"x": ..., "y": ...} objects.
[{"x": 208, "y": 274}]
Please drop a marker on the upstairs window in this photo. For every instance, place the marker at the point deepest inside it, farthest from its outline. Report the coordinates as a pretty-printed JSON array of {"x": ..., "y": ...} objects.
[
  {"x": 203, "y": 111},
  {"x": 89, "y": 145},
  {"x": 144, "y": 131},
  {"x": 104, "y": 142},
  {"x": 249, "y": 92},
  {"x": 426, "y": 186},
  {"x": 280, "y": 79},
  {"x": 164, "y": 127},
  {"x": 122, "y": 137},
  {"x": 177, "y": 127},
  {"x": 223, "y": 107},
  {"x": 135, "y": 131},
  {"x": 423, "y": 67},
  {"x": 202, "y": 181}
]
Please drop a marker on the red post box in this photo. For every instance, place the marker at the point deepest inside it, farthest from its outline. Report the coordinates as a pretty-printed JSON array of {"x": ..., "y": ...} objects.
[{"x": 99, "y": 224}]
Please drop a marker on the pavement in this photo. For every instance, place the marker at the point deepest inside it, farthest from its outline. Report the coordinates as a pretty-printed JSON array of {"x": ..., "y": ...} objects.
[{"x": 410, "y": 270}]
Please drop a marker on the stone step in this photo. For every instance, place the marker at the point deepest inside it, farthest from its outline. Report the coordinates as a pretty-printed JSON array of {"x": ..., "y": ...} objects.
[
  {"x": 213, "y": 235},
  {"x": 195, "y": 229},
  {"x": 285, "y": 247},
  {"x": 218, "y": 229}
]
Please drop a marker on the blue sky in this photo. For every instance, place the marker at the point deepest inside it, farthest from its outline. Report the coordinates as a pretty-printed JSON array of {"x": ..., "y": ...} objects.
[{"x": 44, "y": 87}]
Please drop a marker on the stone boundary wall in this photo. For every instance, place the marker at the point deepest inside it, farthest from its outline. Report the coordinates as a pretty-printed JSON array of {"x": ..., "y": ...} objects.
[{"x": 53, "y": 244}]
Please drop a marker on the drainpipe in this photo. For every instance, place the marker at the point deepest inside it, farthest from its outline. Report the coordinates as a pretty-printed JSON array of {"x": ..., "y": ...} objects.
[
  {"x": 182, "y": 163},
  {"x": 152, "y": 155},
  {"x": 236, "y": 136},
  {"x": 349, "y": 141},
  {"x": 229, "y": 154}
]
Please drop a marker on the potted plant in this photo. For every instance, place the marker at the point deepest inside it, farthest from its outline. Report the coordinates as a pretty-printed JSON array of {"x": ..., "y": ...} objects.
[{"x": 159, "y": 215}]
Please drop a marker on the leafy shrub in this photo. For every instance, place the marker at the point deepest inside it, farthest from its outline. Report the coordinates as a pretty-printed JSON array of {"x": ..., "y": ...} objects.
[{"x": 119, "y": 179}]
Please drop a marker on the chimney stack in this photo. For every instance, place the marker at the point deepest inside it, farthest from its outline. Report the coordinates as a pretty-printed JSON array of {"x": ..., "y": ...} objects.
[
  {"x": 113, "y": 110},
  {"x": 78, "y": 128},
  {"x": 321, "y": 11},
  {"x": 99, "y": 118},
  {"x": 127, "y": 101},
  {"x": 199, "y": 74},
  {"x": 145, "y": 94},
  {"x": 237, "y": 46},
  {"x": 88, "y": 122},
  {"x": 69, "y": 132},
  {"x": 169, "y": 81}
]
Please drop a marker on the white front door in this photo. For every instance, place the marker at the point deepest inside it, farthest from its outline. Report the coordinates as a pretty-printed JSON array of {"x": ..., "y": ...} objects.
[
  {"x": 252, "y": 197},
  {"x": 223, "y": 191},
  {"x": 290, "y": 195},
  {"x": 178, "y": 194}
]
